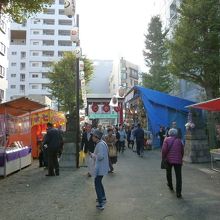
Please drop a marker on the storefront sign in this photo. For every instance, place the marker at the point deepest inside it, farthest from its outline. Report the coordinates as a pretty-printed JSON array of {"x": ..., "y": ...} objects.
[{"x": 96, "y": 116}]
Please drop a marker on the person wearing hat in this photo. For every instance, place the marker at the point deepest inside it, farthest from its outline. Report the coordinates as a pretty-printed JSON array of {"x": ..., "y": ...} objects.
[{"x": 100, "y": 156}]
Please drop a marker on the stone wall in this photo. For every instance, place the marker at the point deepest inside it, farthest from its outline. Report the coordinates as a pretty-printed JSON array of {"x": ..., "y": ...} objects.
[{"x": 196, "y": 147}]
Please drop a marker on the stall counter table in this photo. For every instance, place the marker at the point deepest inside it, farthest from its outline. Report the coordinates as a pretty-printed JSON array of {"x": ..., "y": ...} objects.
[
  {"x": 12, "y": 160},
  {"x": 215, "y": 155}
]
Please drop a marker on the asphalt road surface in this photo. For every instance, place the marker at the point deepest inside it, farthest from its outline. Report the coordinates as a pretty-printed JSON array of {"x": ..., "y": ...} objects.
[{"x": 135, "y": 191}]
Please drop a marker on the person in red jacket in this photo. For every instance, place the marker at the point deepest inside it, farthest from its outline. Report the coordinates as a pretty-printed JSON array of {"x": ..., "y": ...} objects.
[{"x": 173, "y": 151}]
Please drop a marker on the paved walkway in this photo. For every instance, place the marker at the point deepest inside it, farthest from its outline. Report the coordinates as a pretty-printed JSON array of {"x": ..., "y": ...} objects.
[{"x": 136, "y": 191}]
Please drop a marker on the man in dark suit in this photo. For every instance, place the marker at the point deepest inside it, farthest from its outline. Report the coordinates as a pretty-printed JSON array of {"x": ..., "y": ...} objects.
[
  {"x": 139, "y": 136},
  {"x": 54, "y": 141},
  {"x": 87, "y": 144}
]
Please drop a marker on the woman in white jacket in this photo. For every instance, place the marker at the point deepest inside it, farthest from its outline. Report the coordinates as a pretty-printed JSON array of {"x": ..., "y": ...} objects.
[{"x": 100, "y": 156}]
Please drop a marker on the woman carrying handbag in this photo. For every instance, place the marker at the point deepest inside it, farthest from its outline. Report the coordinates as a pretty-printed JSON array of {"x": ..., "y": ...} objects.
[
  {"x": 110, "y": 140},
  {"x": 172, "y": 156}
]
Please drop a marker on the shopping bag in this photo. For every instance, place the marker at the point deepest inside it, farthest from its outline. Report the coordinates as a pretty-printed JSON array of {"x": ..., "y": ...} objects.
[
  {"x": 164, "y": 164},
  {"x": 112, "y": 151},
  {"x": 82, "y": 158}
]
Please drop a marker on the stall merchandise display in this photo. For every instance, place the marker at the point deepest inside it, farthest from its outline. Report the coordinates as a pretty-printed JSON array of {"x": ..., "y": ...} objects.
[
  {"x": 14, "y": 158},
  {"x": 215, "y": 157}
]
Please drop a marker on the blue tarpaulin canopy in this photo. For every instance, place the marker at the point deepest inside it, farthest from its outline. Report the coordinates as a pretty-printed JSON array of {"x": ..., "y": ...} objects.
[{"x": 163, "y": 109}]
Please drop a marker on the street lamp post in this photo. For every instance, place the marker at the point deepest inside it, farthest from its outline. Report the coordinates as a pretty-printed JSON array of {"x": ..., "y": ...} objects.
[{"x": 77, "y": 88}]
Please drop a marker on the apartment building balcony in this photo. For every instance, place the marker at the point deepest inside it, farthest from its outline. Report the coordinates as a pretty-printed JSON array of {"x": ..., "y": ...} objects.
[
  {"x": 39, "y": 80},
  {"x": 18, "y": 37}
]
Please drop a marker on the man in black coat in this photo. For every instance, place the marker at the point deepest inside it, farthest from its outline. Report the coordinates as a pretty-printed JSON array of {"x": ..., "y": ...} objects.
[
  {"x": 139, "y": 136},
  {"x": 87, "y": 144},
  {"x": 54, "y": 141}
]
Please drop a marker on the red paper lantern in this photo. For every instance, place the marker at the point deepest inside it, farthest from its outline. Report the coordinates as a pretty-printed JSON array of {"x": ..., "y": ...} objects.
[
  {"x": 95, "y": 107},
  {"x": 106, "y": 107}
]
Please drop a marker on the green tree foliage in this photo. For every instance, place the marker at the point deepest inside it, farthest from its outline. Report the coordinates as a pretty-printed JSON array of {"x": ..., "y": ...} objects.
[
  {"x": 62, "y": 80},
  {"x": 155, "y": 55},
  {"x": 195, "y": 47},
  {"x": 22, "y": 9}
]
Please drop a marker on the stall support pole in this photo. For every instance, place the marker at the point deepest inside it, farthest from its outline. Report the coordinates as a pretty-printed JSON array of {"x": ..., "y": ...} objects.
[{"x": 77, "y": 88}]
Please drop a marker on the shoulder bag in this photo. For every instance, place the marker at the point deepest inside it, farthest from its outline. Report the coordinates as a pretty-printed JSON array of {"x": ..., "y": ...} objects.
[{"x": 164, "y": 162}]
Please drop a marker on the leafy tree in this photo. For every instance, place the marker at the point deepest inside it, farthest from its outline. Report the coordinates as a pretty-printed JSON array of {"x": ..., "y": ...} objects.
[
  {"x": 62, "y": 80},
  {"x": 21, "y": 9},
  {"x": 155, "y": 55},
  {"x": 195, "y": 46}
]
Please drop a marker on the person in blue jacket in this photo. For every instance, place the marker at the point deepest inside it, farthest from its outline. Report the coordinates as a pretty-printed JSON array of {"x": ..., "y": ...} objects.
[{"x": 101, "y": 158}]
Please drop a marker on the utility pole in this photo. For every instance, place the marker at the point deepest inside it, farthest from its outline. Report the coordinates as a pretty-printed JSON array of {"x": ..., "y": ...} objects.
[{"x": 77, "y": 90}]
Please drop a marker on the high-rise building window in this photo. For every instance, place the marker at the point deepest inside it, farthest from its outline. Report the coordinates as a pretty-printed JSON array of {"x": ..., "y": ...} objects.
[
  {"x": 23, "y": 55},
  {"x": 65, "y": 22},
  {"x": 35, "y": 75},
  {"x": 22, "y": 88},
  {"x": 22, "y": 77},
  {"x": 13, "y": 86},
  {"x": 2, "y": 26},
  {"x": 35, "y": 64},
  {"x": 24, "y": 23},
  {"x": 34, "y": 86},
  {"x": 48, "y": 32},
  {"x": 48, "y": 42},
  {"x": 64, "y": 32},
  {"x": 13, "y": 53},
  {"x": 13, "y": 75},
  {"x": 61, "y": 2},
  {"x": 2, "y": 49},
  {"x": 61, "y": 11},
  {"x": 36, "y": 21},
  {"x": 35, "y": 43},
  {"x": 2, "y": 71},
  {"x": 60, "y": 53},
  {"x": 49, "y": 11},
  {"x": 46, "y": 64},
  {"x": 49, "y": 21},
  {"x": 45, "y": 86},
  {"x": 45, "y": 75},
  {"x": 48, "y": 53},
  {"x": 64, "y": 43},
  {"x": 13, "y": 64},
  {"x": 22, "y": 66},
  {"x": 34, "y": 53},
  {"x": 2, "y": 95},
  {"x": 36, "y": 32}
]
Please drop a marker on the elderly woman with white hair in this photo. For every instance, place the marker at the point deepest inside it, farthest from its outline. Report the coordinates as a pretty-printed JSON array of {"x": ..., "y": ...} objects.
[{"x": 172, "y": 152}]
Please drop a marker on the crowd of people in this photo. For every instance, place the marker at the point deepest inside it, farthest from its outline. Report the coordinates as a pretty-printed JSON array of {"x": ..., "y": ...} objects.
[{"x": 102, "y": 145}]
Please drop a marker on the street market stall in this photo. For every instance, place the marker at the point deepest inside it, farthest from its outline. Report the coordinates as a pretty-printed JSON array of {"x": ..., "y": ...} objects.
[
  {"x": 212, "y": 106},
  {"x": 39, "y": 122},
  {"x": 153, "y": 109},
  {"x": 15, "y": 139}
]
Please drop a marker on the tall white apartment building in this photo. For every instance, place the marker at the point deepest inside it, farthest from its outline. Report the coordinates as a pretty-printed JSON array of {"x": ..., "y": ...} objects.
[
  {"x": 34, "y": 45},
  {"x": 124, "y": 74},
  {"x": 4, "y": 43}
]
